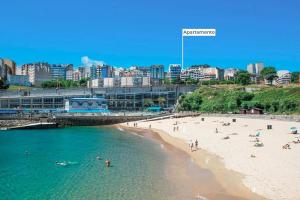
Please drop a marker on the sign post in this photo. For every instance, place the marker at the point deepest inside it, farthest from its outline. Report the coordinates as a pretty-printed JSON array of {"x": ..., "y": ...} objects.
[{"x": 194, "y": 33}]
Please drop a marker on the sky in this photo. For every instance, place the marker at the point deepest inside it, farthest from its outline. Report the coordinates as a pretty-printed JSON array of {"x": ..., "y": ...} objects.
[{"x": 139, "y": 32}]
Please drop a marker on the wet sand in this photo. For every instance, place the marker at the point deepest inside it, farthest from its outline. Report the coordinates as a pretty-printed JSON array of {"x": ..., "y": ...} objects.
[{"x": 185, "y": 170}]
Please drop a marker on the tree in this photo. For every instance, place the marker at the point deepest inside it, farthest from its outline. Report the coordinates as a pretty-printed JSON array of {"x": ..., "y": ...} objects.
[
  {"x": 148, "y": 102},
  {"x": 83, "y": 81},
  {"x": 269, "y": 73},
  {"x": 242, "y": 77},
  {"x": 161, "y": 101},
  {"x": 3, "y": 85},
  {"x": 167, "y": 81},
  {"x": 295, "y": 77}
]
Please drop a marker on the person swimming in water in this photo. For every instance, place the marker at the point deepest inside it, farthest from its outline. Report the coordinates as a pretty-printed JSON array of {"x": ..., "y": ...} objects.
[
  {"x": 107, "y": 163},
  {"x": 64, "y": 163}
]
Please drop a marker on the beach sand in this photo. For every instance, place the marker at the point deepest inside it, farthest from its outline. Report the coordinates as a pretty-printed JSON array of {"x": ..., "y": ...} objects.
[{"x": 271, "y": 172}]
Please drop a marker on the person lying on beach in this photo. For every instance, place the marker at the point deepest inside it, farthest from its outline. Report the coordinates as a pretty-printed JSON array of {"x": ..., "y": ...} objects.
[
  {"x": 259, "y": 144},
  {"x": 296, "y": 142},
  {"x": 286, "y": 146},
  {"x": 226, "y": 124},
  {"x": 256, "y": 140}
]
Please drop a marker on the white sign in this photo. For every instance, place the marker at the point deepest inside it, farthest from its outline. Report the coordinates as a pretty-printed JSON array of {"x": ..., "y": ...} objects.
[{"x": 198, "y": 32}]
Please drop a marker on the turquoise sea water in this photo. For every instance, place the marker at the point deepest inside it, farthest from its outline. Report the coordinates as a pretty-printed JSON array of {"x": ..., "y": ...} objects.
[{"x": 28, "y": 167}]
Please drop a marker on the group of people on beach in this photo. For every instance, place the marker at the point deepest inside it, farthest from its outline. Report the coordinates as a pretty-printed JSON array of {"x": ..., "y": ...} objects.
[
  {"x": 175, "y": 128},
  {"x": 134, "y": 124},
  {"x": 191, "y": 145}
]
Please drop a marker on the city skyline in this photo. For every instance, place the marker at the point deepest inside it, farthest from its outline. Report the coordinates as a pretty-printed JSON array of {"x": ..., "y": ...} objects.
[
  {"x": 88, "y": 62},
  {"x": 121, "y": 34}
]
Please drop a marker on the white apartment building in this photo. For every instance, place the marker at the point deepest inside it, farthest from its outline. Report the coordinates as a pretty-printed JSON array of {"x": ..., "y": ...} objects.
[
  {"x": 203, "y": 73},
  {"x": 284, "y": 77},
  {"x": 255, "y": 68},
  {"x": 37, "y": 72}
]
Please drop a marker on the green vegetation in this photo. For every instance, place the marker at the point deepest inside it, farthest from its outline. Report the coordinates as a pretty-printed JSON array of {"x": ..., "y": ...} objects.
[
  {"x": 65, "y": 83},
  {"x": 295, "y": 77},
  {"x": 161, "y": 101},
  {"x": 232, "y": 99},
  {"x": 148, "y": 102},
  {"x": 3, "y": 85},
  {"x": 269, "y": 73},
  {"x": 242, "y": 77},
  {"x": 18, "y": 87}
]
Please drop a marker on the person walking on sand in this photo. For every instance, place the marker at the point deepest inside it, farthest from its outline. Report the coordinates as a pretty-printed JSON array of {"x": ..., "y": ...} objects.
[
  {"x": 192, "y": 146},
  {"x": 196, "y": 144}
]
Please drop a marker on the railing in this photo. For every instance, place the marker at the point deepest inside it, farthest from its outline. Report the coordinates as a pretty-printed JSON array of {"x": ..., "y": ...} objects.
[{"x": 37, "y": 92}]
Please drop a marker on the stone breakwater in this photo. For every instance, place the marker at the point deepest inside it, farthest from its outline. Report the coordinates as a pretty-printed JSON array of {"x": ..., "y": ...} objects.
[{"x": 14, "y": 123}]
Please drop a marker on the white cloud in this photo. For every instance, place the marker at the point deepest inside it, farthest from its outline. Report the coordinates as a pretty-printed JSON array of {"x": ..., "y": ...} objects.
[{"x": 86, "y": 61}]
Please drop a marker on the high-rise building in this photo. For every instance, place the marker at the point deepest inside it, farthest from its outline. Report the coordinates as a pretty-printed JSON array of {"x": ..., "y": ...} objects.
[
  {"x": 259, "y": 67},
  {"x": 7, "y": 67},
  {"x": 255, "y": 68},
  {"x": 106, "y": 71},
  {"x": 69, "y": 72},
  {"x": 19, "y": 70},
  {"x": 98, "y": 71},
  {"x": 144, "y": 71},
  {"x": 157, "y": 72},
  {"x": 251, "y": 68},
  {"x": 37, "y": 72},
  {"x": 175, "y": 71},
  {"x": 59, "y": 71},
  {"x": 81, "y": 72},
  {"x": 93, "y": 72},
  {"x": 76, "y": 75},
  {"x": 3, "y": 71}
]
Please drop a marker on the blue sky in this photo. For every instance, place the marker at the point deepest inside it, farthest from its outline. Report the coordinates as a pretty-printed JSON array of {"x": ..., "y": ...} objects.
[{"x": 140, "y": 32}]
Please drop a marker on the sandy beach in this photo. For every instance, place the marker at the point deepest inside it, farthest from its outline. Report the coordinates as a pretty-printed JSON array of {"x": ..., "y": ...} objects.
[{"x": 247, "y": 158}]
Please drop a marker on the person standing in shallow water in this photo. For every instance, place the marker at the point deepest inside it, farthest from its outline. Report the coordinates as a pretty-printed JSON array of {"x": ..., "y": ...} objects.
[{"x": 107, "y": 163}]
